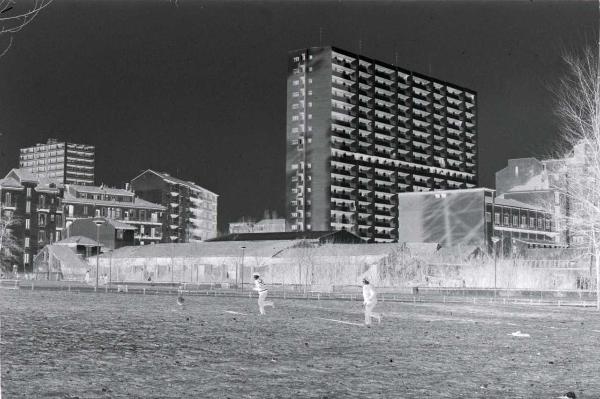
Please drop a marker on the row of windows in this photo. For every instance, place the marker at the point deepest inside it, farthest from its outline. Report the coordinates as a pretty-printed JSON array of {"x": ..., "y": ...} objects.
[{"x": 515, "y": 221}]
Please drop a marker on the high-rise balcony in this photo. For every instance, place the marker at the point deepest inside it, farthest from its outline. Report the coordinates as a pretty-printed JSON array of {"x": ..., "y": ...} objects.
[
  {"x": 344, "y": 96},
  {"x": 343, "y": 123},
  {"x": 384, "y": 95},
  {"x": 341, "y": 206},
  {"x": 348, "y": 77},
  {"x": 366, "y": 67},
  {"x": 341, "y": 194},
  {"x": 343, "y": 87},
  {"x": 342, "y": 183},
  {"x": 344, "y": 64}
]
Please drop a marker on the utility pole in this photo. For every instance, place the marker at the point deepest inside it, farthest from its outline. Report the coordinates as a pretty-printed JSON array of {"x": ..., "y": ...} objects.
[
  {"x": 98, "y": 222},
  {"x": 243, "y": 249}
]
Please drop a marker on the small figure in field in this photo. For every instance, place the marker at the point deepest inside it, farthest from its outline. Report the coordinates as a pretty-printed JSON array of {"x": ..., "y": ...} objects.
[
  {"x": 180, "y": 298},
  {"x": 259, "y": 285},
  {"x": 370, "y": 300},
  {"x": 87, "y": 277}
]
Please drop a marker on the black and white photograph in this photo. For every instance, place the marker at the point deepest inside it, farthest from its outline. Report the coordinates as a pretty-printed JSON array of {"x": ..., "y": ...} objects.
[{"x": 253, "y": 199}]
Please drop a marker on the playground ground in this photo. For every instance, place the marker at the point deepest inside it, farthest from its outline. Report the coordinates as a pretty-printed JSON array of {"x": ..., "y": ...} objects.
[{"x": 59, "y": 344}]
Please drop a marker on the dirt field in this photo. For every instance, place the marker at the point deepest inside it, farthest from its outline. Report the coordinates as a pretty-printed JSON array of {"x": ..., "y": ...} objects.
[{"x": 68, "y": 345}]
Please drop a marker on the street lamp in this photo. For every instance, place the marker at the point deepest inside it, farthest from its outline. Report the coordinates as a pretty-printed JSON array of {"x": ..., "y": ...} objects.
[
  {"x": 243, "y": 248},
  {"x": 98, "y": 223},
  {"x": 495, "y": 240}
]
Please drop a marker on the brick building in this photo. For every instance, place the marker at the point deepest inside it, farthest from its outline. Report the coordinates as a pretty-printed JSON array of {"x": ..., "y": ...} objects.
[{"x": 34, "y": 203}]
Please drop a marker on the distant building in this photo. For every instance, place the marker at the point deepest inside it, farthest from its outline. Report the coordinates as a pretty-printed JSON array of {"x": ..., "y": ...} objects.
[
  {"x": 262, "y": 226},
  {"x": 360, "y": 131},
  {"x": 542, "y": 183},
  {"x": 191, "y": 210},
  {"x": 82, "y": 202},
  {"x": 35, "y": 204},
  {"x": 472, "y": 217},
  {"x": 112, "y": 234},
  {"x": 67, "y": 163}
]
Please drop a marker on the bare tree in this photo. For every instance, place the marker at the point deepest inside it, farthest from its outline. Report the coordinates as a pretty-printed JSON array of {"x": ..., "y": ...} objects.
[
  {"x": 15, "y": 16},
  {"x": 579, "y": 111},
  {"x": 10, "y": 247}
]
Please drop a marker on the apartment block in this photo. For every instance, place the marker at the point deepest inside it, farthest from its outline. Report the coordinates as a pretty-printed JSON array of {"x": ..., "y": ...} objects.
[
  {"x": 67, "y": 163},
  {"x": 360, "y": 131},
  {"x": 191, "y": 210}
]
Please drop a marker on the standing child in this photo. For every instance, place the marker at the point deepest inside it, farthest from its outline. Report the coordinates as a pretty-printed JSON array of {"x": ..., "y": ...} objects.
[
  {"x": 259, "y": 285},
  {"x": 370, "y": 300}
]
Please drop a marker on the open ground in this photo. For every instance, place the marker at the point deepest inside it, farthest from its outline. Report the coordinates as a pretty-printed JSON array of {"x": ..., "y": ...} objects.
[{"x": 57, "y": 344}]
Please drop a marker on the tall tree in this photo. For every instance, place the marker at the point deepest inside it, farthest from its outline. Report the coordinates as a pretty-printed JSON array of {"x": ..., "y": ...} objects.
[
  {"x": 15, "y": 16},
  {"x": 10, "y": 247},
  {"x": 579, "y": 111}
]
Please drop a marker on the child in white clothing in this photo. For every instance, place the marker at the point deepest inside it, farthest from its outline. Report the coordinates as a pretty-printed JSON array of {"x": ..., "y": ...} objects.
[
  {"x": 370, "y": 300},
  {"x": 259, "y": 285}
]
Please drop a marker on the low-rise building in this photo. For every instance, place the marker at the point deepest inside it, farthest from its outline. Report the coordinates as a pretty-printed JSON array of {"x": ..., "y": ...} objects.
[
  {"x": 82, "y": 202},
  {"x": 110, "y": 234},
  {"x": 472, "y": 217}
]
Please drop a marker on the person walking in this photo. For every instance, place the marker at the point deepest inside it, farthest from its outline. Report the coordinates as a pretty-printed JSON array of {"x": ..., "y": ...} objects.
[
  {"x": 370, "y": 300},
  {"x": 259, "y": 285}
]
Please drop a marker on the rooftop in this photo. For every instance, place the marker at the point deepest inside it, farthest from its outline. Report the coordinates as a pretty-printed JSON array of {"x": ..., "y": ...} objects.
[
  {"x": 69, "y": 198},
  {"x": 176, "y": 180},
  {"x": 500, "y": 200},
  {"x": 341, "y": 236}
]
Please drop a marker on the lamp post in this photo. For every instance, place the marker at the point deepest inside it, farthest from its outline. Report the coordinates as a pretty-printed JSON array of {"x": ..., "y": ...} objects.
[
  {"x": 243, "y": 248},
  {"x": 98, "y": 223},
  {"x": 495, "y": 240}
]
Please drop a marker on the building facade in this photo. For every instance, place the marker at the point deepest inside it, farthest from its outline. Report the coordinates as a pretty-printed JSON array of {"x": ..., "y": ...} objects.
[
  {"x": 262, "y": 226},
  {"x": 111, "y": 234},
  {"x": 31, "y": 210},
  {"x": 83, "y": 202},
  {"x": 545, "y": 184},
  {"x": 360, "y": 131},
  {"x": 191, "y": 210},
  {"x": 67, "y": 163},
  {"x": 473, "y": 217}
]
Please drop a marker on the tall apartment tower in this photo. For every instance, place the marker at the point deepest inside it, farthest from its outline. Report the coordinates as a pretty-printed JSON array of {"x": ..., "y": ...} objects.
[
  {"x": 359, "y": 131},
  {"x": 67, "y": 163}
]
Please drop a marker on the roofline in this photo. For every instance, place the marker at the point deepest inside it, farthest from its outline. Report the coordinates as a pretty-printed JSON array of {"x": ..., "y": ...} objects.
[
  {"x": 166, "y": 178},
  {"x": 124, "y": 204},
  {"x": 23, "y": 180},
  {"x": 391, "y": 66},
  {"x": 521, "y": 205}
]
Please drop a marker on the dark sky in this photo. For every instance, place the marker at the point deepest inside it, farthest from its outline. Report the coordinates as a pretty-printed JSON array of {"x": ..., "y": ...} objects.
[{"x": 198, "y": 90}]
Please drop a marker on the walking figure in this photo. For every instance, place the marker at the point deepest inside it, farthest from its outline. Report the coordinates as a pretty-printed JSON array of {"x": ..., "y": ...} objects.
[
  {"x": 87, "y": 277},
  {"x": 370, "y": 300},
  {"x": 259, "y": 285}
]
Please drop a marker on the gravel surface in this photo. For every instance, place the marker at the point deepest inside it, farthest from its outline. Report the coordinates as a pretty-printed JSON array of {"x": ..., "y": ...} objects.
[{"x": 70, "y": 345}]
